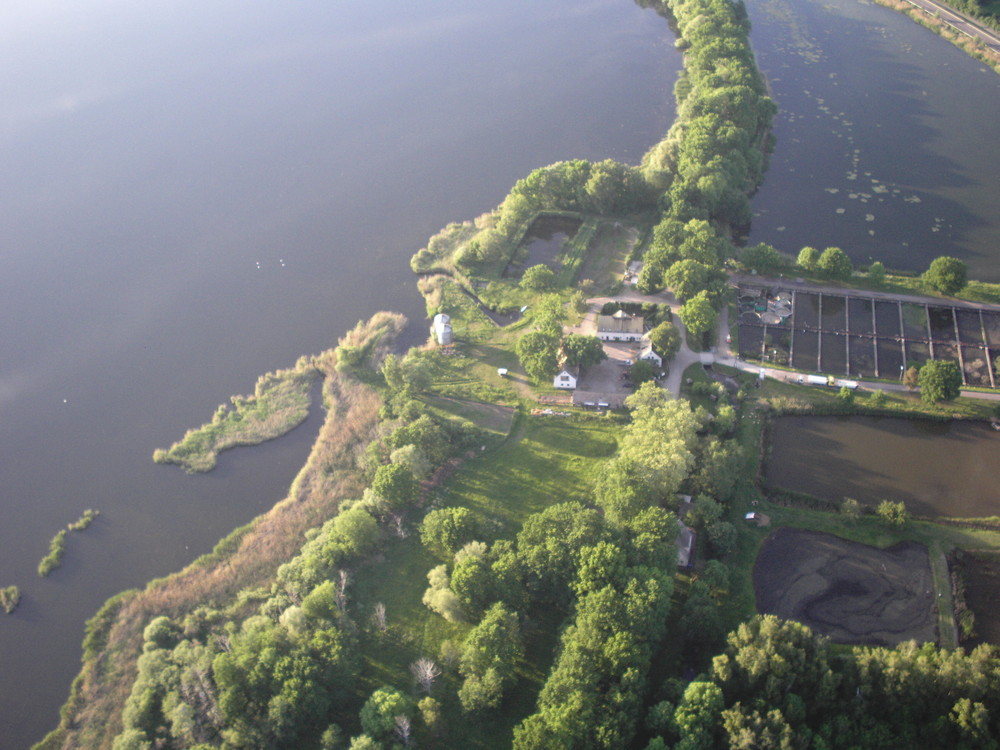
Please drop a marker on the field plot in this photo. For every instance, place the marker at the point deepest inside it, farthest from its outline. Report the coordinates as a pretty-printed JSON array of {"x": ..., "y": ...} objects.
[
  {"x": 861, "y": 318},
  {"x": 991, "y": 326},
  {"x": 970, "y": 326},
  {"x": 850, "y": 334},
  {"x": 887, "y": 318},
  {"x": 982, "y": 594},
  {"x": 862, "y": 356},
  {"x": 833, "y": 353},
  {"x": 976, "y": 366},
  {"x": 834, "y": 314},
  {"x": 890, "y": 357},
  {"x": 851, "y": 592},
  {"x": 806, "y": 350},
  {"x": 942, "y": 322}
]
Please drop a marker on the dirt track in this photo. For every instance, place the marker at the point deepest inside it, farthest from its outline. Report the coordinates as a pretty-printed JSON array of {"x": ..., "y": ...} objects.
[{"x": 851, "y": 592}]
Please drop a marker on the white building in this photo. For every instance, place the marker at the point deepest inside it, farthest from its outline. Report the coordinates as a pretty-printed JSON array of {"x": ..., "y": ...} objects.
[
  {"x": 442, "y": 329},
  {"x": 566, "y": 378},
  {"x": 619, "y": 327},
  {"x": 651, "y": 356}
]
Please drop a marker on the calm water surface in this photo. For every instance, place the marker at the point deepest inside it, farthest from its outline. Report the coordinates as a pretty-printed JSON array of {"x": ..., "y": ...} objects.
[
  {"x": 886, "y": 138},
  {"x": 936, "y": 468},
  {"x": 196, "y": 193}
]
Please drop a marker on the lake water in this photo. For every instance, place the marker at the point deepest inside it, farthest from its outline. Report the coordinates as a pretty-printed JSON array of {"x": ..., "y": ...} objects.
[
  {"x": 197, "y": 193},
  {"x": 936, "y": 468},
  {"x": 885, "y": 138}
]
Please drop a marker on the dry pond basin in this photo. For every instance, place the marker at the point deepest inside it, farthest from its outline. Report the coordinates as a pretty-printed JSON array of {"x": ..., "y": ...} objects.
[{"x": 852, "y": 593}]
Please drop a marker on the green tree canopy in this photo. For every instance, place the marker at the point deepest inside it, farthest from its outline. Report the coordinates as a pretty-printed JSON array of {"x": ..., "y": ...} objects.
[
  {"x": 876, "y": 273},
  {"x": 583, "y": 351},
  {"x": 394, "y": 483},
  {"x": 698, "y": 315},
  {"x": 687, "y": 278},
  {"x": 835, "y": 264},
  {"x": 892, "y": 514},
  {"x": 666, "y": 339},
  {"x": 447, "y": 530},
  {"x": 539, "y": 354},
  {"x": 538, "y": 278},
  {"x": 940, "y": 381},
  {"x": 378, "y": 715},
  {"x": 762, "y": 257},
  {"x": 946, "y": 275},
  {"x": 808, "y": 258},
  {"x": 642, "y": 372},
  {"x": 661, "y": 439}
]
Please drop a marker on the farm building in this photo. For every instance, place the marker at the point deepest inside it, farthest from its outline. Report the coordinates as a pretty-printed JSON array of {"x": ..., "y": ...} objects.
[
  {"x": 651, "y": 356},
  {"x": 442, "y": 329},
  {"x": 566, "y": 378},
  {"x": 619, "y": 327}
]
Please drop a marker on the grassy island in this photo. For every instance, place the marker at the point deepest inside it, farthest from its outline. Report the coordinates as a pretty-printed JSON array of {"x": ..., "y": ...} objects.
[
  {"x": 10, "y": 597},
  {"x": 279, "y": 403}
]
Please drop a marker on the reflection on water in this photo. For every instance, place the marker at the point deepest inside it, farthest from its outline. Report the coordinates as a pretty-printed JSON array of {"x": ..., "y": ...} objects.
[
  {"x": 881, "y": 145},
  {"x": 936, "y": 468}
]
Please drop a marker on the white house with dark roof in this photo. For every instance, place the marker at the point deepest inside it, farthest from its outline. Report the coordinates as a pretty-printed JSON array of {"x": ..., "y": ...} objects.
[
  {"x": 567, "y": 378},
  {"x": 651, "y": 356},
  {"x": 620, "y": 327}
]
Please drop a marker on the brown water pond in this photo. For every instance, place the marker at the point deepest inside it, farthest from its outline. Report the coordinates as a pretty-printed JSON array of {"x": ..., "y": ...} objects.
[
  {"x": 936, "y": 468},
  {"x": 543, "y": 244}
]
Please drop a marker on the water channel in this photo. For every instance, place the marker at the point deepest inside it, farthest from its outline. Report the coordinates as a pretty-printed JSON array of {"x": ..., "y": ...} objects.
[
  {"x": 197, "y": 193},
  {"x": 937, "y": 468},
  {"x": 885, "y": 138}
]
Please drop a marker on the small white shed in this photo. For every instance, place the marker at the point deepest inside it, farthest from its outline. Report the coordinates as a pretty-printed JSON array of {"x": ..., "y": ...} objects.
[{"x": 442, "y": 329}]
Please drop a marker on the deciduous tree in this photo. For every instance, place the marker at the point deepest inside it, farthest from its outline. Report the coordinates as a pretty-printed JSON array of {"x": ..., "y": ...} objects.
[
  {"x": 946, "y": 275},
  {"x": 835, "y": 264},
  {"x": 583, "y": 351},
  {"x": 666, "y": 340},
  {"x": 698, "y": 315},
  {"x": 940, "y": 381},
  {"x": 538, "y": 278}
]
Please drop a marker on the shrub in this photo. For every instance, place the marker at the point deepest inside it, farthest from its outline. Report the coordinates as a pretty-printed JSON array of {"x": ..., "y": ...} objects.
[
  {"x": 940, "y": 381},
  {"x": 54, "y": 559},
  {"x": 946, "y": 275},
  {"x": 892, "y": 514},
  {"x": 10, "y": 597}
]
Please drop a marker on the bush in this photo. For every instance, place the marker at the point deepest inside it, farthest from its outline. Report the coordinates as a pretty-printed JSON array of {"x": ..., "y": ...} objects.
[
  {"x": 835, "y": 264},
  {"x": 10, "y": 597},
  {"x": 444, "y": 532},
  {"x": 946, "y": 275},
  {"x": 940, "y": 381},
  {"x": 892, "y": 514},
  {"x": 538, "y": 278},
  {"x": 54, "y": 559}
]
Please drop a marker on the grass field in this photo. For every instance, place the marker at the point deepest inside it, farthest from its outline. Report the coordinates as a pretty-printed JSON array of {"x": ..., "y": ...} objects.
[{"x": 545, "y": 461}]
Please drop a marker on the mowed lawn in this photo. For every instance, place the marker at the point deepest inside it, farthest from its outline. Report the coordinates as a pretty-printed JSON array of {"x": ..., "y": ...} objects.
[{"x": 547, "y": 460}]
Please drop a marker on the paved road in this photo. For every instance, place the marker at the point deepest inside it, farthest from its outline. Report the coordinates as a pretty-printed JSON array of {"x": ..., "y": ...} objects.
[{"x": 959, "y": 23}]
